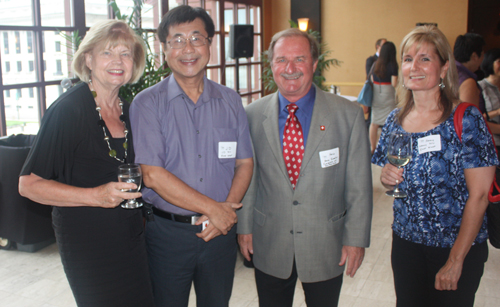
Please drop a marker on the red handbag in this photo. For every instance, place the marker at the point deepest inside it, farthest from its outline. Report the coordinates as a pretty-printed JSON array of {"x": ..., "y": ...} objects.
[{"x": 493, "y": 210}]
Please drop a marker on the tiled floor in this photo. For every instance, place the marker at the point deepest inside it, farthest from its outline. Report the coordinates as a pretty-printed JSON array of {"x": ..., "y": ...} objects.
[{"x": 37, "y": 280}]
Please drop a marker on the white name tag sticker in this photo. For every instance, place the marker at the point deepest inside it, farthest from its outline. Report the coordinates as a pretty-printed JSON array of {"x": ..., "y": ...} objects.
[
  {"x": 227, "y": 150},
  {"x": 429, "y": 143},
  {"x": 329, "y": 157}
]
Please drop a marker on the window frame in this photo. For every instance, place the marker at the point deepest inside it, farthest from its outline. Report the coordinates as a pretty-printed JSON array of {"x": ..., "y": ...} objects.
[{"x": 79, "y": 24}]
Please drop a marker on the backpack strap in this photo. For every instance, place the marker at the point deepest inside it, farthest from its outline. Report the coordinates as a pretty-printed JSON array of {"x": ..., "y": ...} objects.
[{"x": 459, "y": 115}]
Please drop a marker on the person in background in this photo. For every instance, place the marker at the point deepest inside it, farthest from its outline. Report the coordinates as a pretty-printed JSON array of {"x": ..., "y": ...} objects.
[
  {"x": 439, "y": 231},
  {"x": 368, "y": 66},
  {"x": 307, "y": 213},
  {"x": 490, "y": 86},
  {"x": 193, "y": 143},
  {"x": 384, "y": 78},
  {"x": 371, "y": 59},
  {"x": 468, "y": 52},
  {"x": 73, "y": 165}
]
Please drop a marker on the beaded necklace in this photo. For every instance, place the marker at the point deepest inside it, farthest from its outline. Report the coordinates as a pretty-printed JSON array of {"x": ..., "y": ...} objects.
[{"x": 112, "y": 153}]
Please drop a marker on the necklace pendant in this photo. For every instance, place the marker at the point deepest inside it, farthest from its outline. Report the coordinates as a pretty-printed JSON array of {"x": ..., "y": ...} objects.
[
  {"x": 112, "y": 153},
  {"x": 125, "y": 145}
]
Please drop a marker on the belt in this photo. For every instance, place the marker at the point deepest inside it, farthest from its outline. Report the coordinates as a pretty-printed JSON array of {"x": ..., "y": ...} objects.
[{"x": 189, "y": 219}]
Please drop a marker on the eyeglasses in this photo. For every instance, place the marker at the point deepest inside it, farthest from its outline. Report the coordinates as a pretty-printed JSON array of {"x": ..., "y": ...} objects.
[{"x": 197, "y": 40}]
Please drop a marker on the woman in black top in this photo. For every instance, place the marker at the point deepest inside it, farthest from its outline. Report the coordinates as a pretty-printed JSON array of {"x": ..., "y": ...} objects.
[
  {"x": 385, "y": 78},
  {"x": 84, "y": 137}
]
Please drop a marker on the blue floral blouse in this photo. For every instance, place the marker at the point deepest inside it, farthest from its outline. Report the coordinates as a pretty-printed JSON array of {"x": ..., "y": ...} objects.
[{"x": 435, "y": 181}]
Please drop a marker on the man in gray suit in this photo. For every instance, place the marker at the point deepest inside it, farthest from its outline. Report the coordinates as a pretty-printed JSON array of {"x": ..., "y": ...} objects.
[{"x": 307, "y": 212}]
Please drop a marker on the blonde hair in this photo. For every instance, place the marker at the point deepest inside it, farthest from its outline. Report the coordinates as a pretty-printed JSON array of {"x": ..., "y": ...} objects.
[
  {"x": 433, "y": 36},
  {"x": 110, "y": 33}
]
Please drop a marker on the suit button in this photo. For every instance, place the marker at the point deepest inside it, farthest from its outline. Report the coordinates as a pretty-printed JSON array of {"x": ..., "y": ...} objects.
[{"x": 295, "y": 203}]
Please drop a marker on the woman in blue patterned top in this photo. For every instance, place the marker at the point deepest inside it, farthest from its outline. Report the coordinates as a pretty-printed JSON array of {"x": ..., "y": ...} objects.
[{"x": 439, "y": 232}]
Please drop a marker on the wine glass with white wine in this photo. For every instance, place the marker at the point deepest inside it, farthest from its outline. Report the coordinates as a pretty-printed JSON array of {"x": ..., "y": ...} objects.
[
  {"x": 399, "y": 152},
  {"x": 130, "y": 173}
]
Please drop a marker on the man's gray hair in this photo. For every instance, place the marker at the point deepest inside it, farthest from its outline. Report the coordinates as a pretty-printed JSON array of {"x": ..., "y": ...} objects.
[{"x": 313, "y": 43}]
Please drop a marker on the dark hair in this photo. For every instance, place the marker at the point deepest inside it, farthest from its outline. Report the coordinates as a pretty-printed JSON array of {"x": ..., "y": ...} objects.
[
  {"x": 487, "y": 64},
  {"x": 379, "y": 42},
  {"x": 184, "y": 14},
  {"x": 386, "y": 58},
  {"x": 467, "y": 44}
]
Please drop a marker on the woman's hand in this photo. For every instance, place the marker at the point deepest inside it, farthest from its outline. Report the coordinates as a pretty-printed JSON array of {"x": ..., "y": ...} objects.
[
  {"x": 391, "y": 175},
  {"x": 448, "y": 276},
  {"x": 110, "y": 195}
]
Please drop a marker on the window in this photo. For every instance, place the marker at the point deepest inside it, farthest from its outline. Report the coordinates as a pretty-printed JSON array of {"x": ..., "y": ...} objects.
[
  {"x": 30, "y": 41},
  {"x": 7, "y": 93},
  {"x": 58, "y": 67},
  {"x": 31, "y": 93},
  {"x": 28, "y": 36},
  {"x": 6, "y": 42},
  {"x": 18, "y": 41}
]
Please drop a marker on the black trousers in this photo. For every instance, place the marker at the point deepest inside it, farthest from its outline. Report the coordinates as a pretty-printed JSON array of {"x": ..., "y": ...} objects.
[
  {"x": 177, "y": 258},
  {"x": 415, "y": 267},
  {"x": 277, "y": 292}
]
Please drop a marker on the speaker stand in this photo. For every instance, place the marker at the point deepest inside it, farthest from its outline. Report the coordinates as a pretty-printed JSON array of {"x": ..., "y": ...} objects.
[{"x": 237, "y": 67}]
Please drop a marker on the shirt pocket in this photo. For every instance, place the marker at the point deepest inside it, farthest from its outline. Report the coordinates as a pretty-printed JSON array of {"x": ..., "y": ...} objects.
[{"x": 225, "y": 143}]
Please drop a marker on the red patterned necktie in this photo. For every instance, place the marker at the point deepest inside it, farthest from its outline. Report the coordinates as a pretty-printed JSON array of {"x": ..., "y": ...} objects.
[{"x": 293, "y": 144}]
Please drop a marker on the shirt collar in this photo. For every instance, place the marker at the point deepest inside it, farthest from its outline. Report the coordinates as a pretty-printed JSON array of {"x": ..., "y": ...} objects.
[
  {"x": 209, "y": 90},
  {"x": 305, "y": 104}
]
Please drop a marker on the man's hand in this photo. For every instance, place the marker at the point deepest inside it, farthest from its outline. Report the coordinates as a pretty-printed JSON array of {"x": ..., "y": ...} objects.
[
  {"x": 246, "y": 245},
  {"x": 209, "y": 232},
  {"x": 354, "y": 257},
  {"x": 223, "y": 216}
]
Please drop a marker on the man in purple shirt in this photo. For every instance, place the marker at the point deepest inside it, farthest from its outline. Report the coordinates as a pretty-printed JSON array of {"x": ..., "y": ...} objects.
[{"x": 192, "y": 141}]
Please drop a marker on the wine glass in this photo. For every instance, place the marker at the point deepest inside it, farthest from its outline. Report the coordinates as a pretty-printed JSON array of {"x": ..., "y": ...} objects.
[
  {"x": 130, "y": 173},
  {"x": 399, "y": 152}
]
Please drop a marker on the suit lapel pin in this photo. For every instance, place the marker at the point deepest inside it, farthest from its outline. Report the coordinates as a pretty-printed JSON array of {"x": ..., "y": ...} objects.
[{"x": 322, "y": 128}]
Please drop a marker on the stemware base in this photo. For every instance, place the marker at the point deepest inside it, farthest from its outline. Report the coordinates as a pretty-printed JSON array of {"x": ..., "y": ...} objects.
[
  {"x": 131, "y": 204},
  {"x": 396, "y": 194}
]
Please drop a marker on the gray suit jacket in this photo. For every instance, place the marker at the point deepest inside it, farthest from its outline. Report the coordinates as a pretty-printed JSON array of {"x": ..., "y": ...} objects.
[{"x": 330, "y": 207}]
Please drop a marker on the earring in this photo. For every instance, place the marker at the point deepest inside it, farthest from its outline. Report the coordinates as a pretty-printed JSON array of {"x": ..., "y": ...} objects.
[
  {"x": 441, "y": 84},
  {"x": 403, "y": 84},
  {"x": 92, "y": 86}
]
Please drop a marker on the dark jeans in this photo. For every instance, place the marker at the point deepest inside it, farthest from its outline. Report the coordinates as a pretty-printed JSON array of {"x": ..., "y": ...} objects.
[
  {"x": 177, "y": 257},
  {"x": 415, "y": 267},
  {"x": 277, "y": 292}
]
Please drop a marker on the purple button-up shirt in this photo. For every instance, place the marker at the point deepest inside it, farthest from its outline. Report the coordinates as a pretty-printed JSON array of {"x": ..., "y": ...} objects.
[{"x": 172, "y": 132}]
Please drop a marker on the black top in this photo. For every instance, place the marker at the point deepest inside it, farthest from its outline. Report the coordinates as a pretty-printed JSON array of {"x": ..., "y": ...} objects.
[
  {"x": 103, "y": 250},
  {"x": 369, "y": 62},
  {"x": 70, "y": 146},
  {"x": 391, "y": 70}
]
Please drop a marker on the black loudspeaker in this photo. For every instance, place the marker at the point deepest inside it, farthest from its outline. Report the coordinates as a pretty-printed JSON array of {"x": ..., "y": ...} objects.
[{"x": 240, "y": 41}]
